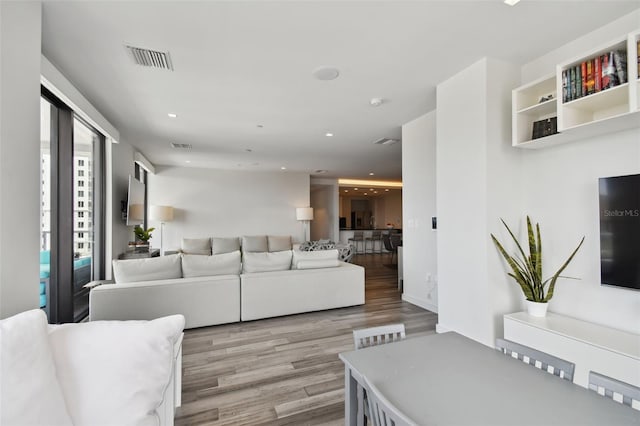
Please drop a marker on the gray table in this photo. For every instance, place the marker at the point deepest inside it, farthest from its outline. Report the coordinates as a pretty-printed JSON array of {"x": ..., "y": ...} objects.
[{"x": 447, "y": 379}]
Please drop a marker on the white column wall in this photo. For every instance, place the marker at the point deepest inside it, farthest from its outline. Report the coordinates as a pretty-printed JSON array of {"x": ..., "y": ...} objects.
[
  {"x": 475, "y": 186},
  {"x": 20, "y": 33},
  {"x": 418, "y": 207}
]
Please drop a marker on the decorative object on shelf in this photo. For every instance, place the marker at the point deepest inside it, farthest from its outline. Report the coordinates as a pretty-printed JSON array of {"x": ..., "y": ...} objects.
[
  {"x": 142, "y": 236},
  {"x": 162, "y": 214},
  {"x": 546, "y": 98},
  {"x": 305, "y": 215},
  {"x": 546, "y": 127},
  {"x": 527, "y": 270}
]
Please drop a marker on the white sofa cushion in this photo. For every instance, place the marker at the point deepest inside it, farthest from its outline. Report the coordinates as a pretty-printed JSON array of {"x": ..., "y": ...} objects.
[
  {"x": 255, "y": 243},
  {"x": 30, "y": 393},
  {"x": 279, "y": 243},
  {"x": 224, "y": 245},
  {"x": 265, "y": 261},
  {"x": 115, "y": 372},
  {"x": 323, "y": 258},
  {"x": 153, "y": 268},
  {"x": 217, "y": 264},
  {"x": 196, "y": 246}
]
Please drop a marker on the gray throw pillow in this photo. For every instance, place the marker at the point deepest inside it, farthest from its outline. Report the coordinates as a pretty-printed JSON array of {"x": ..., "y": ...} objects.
[
  {"x": 196, "y": 246},
  {"x": 256, "y": 243},
  {"x": 224, "y": 245},
  {"x": 278, "y": 243}
]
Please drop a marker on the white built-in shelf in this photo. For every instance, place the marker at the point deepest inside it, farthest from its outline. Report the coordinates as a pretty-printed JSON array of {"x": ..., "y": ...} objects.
[
  {"x": 611, "y": 339},
  {"x": 607, "y": 111}
]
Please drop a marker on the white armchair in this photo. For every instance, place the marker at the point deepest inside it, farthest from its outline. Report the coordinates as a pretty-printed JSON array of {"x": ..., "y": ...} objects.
[{"x": 95, "y": 373}]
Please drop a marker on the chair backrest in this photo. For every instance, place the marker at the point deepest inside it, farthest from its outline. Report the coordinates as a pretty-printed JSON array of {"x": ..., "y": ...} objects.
[
  {"x": 378, "y": 335},
  {"x": 376, "y": 235},
  {"x": 381, "y": 411},
  {"x": 628, "y": 393},
  {"x": 549, "y": 363},
  {"x": 358, "y": 235},
  {"x": 396, "y": 240},
  {"x": 386, "y": 240}
]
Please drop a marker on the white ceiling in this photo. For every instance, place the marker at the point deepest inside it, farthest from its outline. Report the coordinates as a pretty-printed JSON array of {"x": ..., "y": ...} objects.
[{"x": 239, "y": 64}]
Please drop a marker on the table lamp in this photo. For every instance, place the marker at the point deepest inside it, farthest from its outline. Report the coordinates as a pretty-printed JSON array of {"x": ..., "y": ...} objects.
[{"x": 162, "y": 214}]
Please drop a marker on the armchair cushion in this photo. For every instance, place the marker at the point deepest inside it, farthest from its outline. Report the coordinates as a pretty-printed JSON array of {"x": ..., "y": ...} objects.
[
  {"x": 31, "y": 394},
  {"x": 217, "y": 264},
  {"x": 115, "y": 372},
  {"x": 153, "y": 268}
]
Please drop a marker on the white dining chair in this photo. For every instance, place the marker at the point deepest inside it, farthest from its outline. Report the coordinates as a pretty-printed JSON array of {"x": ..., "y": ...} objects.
[
  {"x": 374, "y": 336},
  {"x": 549, "y": 363},
  {"x": 382, "y": 411},
  {"x": 610, "y": 386}
]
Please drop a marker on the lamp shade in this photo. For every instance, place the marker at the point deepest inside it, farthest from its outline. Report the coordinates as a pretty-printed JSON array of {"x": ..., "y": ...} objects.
[
  {"x": 304, "y": 213},
  {"x": 161, "y": 213}
]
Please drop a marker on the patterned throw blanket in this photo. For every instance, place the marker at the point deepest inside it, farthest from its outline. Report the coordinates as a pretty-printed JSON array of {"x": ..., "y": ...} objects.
[{"x": 345, "y": 251}]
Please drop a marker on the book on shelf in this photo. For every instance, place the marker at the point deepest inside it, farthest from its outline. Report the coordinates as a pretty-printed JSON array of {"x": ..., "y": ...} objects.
[
  {"x": 595, "y": 75},
  {"x": 545, "y": 127}
]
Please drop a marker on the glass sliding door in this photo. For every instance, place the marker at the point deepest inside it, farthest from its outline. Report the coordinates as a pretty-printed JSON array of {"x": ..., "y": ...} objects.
[{"x": 72, "y": 206}]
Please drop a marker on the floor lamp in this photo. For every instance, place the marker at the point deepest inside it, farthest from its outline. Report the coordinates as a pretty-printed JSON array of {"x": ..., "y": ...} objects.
[
  {"x": 304, "y": 214},
  {"x": 162, "y": 214}
]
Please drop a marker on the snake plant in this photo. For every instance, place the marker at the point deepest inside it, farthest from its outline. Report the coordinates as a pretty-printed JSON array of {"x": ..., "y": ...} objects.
[{"x": 527, "y": 270}]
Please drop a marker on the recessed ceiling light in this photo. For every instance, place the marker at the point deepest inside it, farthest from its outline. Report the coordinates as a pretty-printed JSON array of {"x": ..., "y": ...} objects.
[
  {"x": 375, "y": 102},
  {"x": 328, "y": 135},
  {"x": 187, "y": 161},
  {"x": 355, "y": 189},
  {"x": 370, "y": 189},
  {"x": 283, "y": 168},
  {"x": 511, "y": 2},
  {"x": 371, "y": 174},
  {"x": 326, "y": 73},
  {"x": 387, "y": 190},
  {"x": 172, "y": 115},
  {"x": 346, "y": 190},
  {"x": 365, "y": 193}
]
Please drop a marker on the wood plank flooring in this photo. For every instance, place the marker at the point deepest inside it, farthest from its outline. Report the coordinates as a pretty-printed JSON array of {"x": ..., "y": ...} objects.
[{"x": 286, "y": 370}]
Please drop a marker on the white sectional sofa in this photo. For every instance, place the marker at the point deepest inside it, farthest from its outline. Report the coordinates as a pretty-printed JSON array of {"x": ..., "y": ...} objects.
[{"x": 219, "y": 280}]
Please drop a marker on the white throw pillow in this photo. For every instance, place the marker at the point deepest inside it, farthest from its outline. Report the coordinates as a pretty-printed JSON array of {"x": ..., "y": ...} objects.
[
  {"x": 217, "y": 264},
  {"x": 30, "y": 393},
  {"x": 152, "y": 268},
  {"x": 317, "y": 264},
  {"x": 196, "y": 246},
  {"x": 313, "y": 256},
  {"x": 115, "y": 372},
  {"x": 265, "y": 262}
]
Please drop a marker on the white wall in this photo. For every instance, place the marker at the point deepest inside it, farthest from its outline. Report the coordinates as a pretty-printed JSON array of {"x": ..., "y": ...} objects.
[
  {"x": 560, "y": 187},
  {"x": 418, "y": 207},
  {"x": 20, "y": 31},
  {"x": 475, "y": 186},
  {"x": 326, "y": 209},
  {"x": 220, "y": 203}
]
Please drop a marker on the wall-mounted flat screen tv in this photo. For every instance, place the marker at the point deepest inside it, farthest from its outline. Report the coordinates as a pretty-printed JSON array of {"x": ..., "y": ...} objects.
[
  {"x": 135, "y": 202},
  {"x": 620, "y": 231}
]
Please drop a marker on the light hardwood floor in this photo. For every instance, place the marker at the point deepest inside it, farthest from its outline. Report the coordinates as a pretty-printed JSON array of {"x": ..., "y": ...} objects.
[{"x": 286, "y": 371}]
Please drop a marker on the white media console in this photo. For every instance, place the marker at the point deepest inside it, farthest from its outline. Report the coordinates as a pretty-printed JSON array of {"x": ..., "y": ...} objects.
[{"x": 608, "y": 351}]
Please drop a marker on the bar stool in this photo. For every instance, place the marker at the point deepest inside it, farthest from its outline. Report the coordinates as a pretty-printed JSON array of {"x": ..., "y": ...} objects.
[
  {"x": 358, "y": 237},
  {"x": 375, "y": 236}
]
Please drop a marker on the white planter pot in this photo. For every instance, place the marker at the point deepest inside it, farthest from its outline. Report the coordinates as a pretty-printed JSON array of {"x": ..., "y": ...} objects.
[{"x": 537, "y": 309}]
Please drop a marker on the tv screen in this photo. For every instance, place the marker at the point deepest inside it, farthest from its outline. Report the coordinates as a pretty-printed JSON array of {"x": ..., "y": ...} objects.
[
  {"x": 620, "y": 231},
  {"x": 135, "y": 202}
]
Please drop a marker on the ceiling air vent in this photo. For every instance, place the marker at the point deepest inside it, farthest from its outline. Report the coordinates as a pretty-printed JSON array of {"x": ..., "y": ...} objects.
[
  {"x": 150, "y": 58},
  {"x": 175, "y": 145},
  {"x": 386, "y": 141}
]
